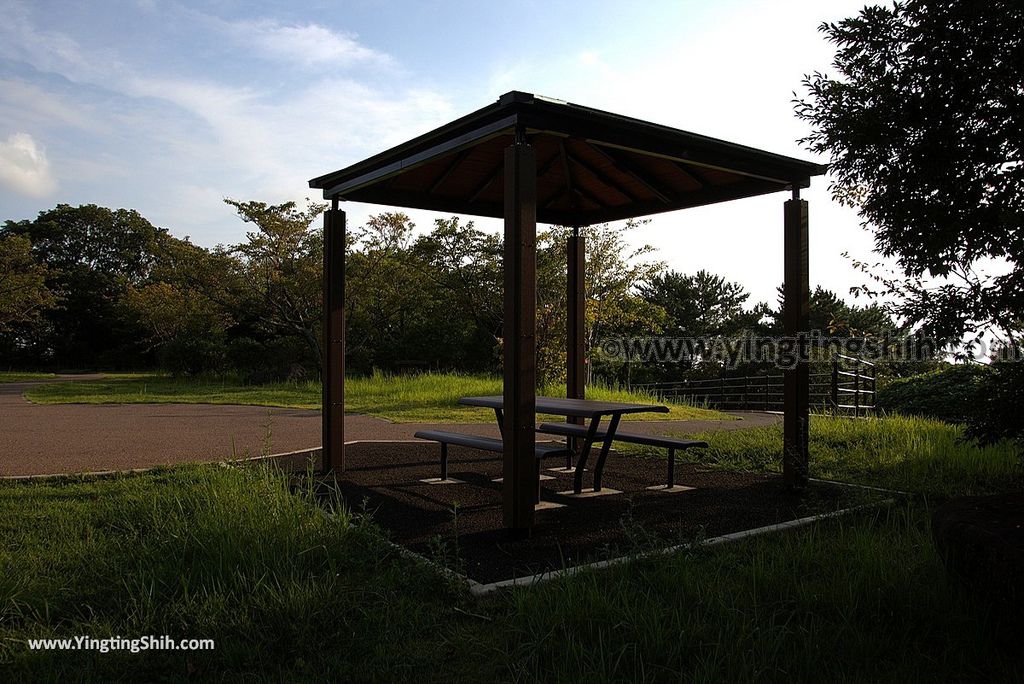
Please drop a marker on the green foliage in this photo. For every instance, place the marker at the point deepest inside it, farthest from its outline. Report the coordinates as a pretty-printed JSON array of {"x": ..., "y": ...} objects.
[
  {"x": 950, "y": 393},
  {"x": 996, "y": 413},
  {"x": 276, "y": 278},
  {"x": 921, "y": 123},
  {"x": 24, "y": 296},
  {"x": 701, "y": 304},
  {"x": 192, "y": 355},
  {"x": 415, "y": 301},
  {"x": 831, "y": 315},
  {"x": 615, "y": 272},
  {"x": 91, "y": 256}
]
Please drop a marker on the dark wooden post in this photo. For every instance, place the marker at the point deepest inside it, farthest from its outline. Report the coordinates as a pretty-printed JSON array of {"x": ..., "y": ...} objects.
[
  {"x": 519, "y": 335},
  {"x": 575, "y": 359},
  {"x": 575, "y": 327},
  {"x": 333, "y": 379},
  {"x": 796, "y": 319}
]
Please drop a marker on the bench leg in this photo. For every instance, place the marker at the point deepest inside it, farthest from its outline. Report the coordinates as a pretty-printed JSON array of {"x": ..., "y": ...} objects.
[
  {"x": 444, "y": 461},
  {"x": 671, "y": 467}
]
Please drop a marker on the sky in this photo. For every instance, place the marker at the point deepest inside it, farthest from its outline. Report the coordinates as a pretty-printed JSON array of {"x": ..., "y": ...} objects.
[{"x": 170, "y": 107}]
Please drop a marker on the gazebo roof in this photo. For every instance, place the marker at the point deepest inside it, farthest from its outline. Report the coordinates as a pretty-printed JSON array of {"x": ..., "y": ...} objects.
[{"x": 592, "y": 166}]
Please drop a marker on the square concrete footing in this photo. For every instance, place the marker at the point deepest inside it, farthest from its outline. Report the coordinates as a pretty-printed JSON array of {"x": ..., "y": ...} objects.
[
  {"x": 674, "y": 489},
  {"x": 589, "y": 493}
]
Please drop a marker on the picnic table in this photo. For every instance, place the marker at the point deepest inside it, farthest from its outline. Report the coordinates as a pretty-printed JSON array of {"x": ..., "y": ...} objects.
[{"x": 586, "y": 409}]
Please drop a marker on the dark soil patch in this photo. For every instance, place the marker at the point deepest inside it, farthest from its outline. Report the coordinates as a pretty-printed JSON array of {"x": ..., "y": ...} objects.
[{"x": 461, "y": 524}]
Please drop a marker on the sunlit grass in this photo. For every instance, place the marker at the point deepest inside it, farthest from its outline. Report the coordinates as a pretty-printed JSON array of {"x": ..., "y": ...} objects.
[
  {"x": 427, "y": 397},
  {"x": 19, "y": 376},
  {"x": 898, "y": 452}
]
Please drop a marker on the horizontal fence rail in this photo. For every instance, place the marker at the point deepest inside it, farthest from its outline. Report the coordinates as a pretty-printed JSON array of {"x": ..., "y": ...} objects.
[{"x": 847, "y": 389}]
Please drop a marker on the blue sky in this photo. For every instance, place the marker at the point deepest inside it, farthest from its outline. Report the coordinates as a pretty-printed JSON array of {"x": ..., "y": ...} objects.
[{"x": 168, "y": 107}]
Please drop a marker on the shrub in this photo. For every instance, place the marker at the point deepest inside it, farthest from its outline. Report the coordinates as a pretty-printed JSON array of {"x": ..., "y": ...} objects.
[
  {"x": 949, "y": 394},
  {"x": 192, "y": 355},
  {"x": 998, "y": 408}
]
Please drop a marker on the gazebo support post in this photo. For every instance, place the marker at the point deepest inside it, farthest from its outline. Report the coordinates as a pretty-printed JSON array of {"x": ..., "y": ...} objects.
[
  {"x": 520, "y": 466},
  {"x": 333, "y": 374},
  {"x": 575, "y": 325},
  {"x": 796, "y": 320},
  {"x": 576, "y": 265}
]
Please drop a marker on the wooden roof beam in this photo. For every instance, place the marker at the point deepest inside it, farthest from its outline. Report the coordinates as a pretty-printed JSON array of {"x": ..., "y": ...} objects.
[
  {"x": 692, "y": 173},
  {"x": 627, "y": 169},
  {"x": 604, "y": 178},
  {"x": 459, "y": 158}
]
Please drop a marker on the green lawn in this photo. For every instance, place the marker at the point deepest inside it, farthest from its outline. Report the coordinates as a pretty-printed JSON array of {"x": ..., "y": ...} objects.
[
  {"x": 289, "y": 594},
  {"x": 430, "y": 397},
  {"x": 19, "y": 376}
]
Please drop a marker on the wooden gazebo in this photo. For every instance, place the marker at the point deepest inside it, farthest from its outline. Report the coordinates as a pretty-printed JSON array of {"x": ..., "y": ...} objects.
[{"x": 528, "y": 158}]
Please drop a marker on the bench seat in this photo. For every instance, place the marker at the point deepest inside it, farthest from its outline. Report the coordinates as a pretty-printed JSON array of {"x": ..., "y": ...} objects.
[
  {"x": 494, "y": 444},
  {"x": 670, "y": 443}
]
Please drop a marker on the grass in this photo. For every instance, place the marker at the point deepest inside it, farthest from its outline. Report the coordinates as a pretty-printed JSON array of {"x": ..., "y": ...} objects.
[
  {"x": 290, "y": 594},
  {"x": 897, "y": 452},
  {"x": 429, "y": 397},
  {"x": 19, "y": 376},
  {"x": 205, "y": 552}
]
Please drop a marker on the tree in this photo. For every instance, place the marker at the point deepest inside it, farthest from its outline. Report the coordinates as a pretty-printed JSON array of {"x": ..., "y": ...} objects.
[
  {"x": 702, "y": 304},
  {"x": 24, "y": 296},
  {"x": 922, "y": 126},
  {"x": 277, "y": 278},
  {"x": 467, "y": 262},
  {"x": 615, "y": 272},
  {"x": 92, "y": 255}
]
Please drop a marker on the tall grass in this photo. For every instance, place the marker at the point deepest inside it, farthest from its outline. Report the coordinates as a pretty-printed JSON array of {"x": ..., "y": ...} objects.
[
  {"x": 426, "y": 397},
  {"x": 900, "y": 452},
  {"x": 290, "y": 594},
  {"x": 853, "y": 600},
  {"x": 205, "y": 552}
]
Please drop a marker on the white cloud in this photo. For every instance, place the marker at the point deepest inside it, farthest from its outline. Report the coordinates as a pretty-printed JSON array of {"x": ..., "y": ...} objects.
[
  {"x": 306, "y": 44},
  {"x": 24, "y": 167}
]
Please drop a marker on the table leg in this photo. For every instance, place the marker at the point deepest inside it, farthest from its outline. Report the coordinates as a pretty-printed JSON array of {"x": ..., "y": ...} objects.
[
  {"x": 599, "y": 466},
  {"x": 581, "y": 462},
  {"x": 501, "y": 422}
]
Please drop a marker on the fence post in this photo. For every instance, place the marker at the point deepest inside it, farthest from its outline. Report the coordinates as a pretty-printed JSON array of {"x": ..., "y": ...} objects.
[
  {"x": 766, "y": 386},
  {"x": 721, "y": 392},
  {"x": 856, "y": 391},
  {"x": 874, "y": 396},
  {"x": 746, "y": 379},
  {"x": 835, "y": 385}
]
